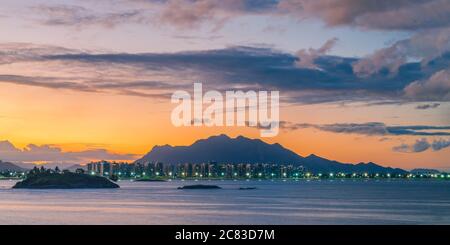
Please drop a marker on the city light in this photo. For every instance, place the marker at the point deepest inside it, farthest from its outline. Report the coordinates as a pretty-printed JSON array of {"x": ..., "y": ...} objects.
[{"x": 235, "y": 171}]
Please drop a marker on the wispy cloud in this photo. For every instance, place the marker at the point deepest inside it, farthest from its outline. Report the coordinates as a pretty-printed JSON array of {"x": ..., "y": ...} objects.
[
  {"x": 371, "y": 129},
  {"x": 77, "y": 16}
]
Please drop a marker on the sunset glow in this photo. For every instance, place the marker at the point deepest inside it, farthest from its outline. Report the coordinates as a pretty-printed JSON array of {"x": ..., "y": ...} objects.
[{"x": 87, "y": 78}]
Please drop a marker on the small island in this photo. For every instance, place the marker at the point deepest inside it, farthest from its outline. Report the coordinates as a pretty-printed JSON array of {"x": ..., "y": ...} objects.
[
  {"x": 199, "y": 187},
  {"x": 150, "y": 180},
  {"x": 64, "y": 180}
]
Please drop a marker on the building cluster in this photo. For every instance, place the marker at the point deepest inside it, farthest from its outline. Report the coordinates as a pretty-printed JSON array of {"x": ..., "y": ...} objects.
[
  {"x": 190, "y": 170},
  {"x": 230, "y": 171}
]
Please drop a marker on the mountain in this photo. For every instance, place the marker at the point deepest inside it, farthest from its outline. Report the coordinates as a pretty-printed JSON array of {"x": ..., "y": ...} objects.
[
  {"x": 223, "y": 149},
  {"x": 7, "y": 166},
  {"x": 318, "y": 164},
  {"x": 424, "y": 171}
]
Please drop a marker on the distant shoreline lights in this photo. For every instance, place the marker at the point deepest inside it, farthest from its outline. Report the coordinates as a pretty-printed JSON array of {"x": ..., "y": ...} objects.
[{"x": 236, "y": 108}]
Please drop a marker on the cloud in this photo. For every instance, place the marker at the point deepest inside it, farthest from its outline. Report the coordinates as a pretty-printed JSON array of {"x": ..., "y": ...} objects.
[
  {"x": 371, "y": 129},
  {"x": 440, "y": 144},
  {"x": 181, "y": 14},
  {"x": 53, "y": 154},
  {"x": 422, "y": 145},
  {"x": 437, "y": 87},
  {"x": 380, "y": 15},
  {"x": 26, "y": 52},
  {"x": 428, "y": 22},
  {"x": 68, "y": 15},
  {"x": 386, "y": 15},
  {"x": 427, "y": 106},
  {"x": 46, "y": 82},
  {"x": 307, "y": 57},
  {"x": 424, "y": 45},
  {"x": 330, "y": 80},
  {"x": 187, "y": 14},
  {"x": 250, "y": 67}
]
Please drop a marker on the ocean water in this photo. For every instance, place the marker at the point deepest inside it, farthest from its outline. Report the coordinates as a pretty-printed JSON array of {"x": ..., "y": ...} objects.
[{"x": 273, "y": 202}]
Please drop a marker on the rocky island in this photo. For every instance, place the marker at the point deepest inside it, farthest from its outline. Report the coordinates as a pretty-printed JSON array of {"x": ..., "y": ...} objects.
[
  {"x": 65, "y": 180},
  {"x": 199, "y": 187},
  {"x": 150, "y": 180}
]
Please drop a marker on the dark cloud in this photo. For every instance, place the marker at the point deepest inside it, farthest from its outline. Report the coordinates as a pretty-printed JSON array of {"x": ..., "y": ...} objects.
[
  {"x": 427, "y": 106},
  {"x": 386, "y": 74},
  {"x": 330, "y": 80},
  {"x": 149, "y": 89},
  {"x": 270, "y": 69},
  {"x": 422, "y": 145},
  {"x": 371, "y": 129},
  {"x": 440, "y": 144},
  {"x": 419, "y": 130}
]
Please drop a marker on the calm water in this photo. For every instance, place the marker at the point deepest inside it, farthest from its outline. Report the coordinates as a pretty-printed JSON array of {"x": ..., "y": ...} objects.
[{"x": 274, "y": 202}]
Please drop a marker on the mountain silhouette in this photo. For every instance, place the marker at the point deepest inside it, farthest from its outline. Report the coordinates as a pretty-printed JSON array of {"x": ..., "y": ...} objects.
[
  {"x": 7, "y": 166},
  {"x": 223, "y": 149}
]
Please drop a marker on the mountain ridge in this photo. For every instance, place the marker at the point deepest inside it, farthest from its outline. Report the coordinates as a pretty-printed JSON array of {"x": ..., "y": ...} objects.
[
  {"x": 223, "y": 149},
  {"x": 7, "y": 166}
]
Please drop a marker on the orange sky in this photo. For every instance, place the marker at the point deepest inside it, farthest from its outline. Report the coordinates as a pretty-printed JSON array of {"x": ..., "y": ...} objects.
[
  {"x": 81, "y": 80},
  {"x": 125, "y": 124}
]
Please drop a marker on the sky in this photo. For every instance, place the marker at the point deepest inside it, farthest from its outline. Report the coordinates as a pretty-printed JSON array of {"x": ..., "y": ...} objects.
[{"x": 359, "y": 80}]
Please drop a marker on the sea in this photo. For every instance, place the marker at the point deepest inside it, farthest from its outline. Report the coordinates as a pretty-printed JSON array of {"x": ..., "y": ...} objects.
[{"x": 360, "y": 202}]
